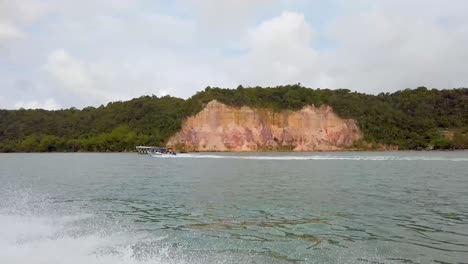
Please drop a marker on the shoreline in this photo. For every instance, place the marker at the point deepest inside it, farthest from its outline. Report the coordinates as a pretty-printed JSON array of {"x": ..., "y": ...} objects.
[{"x": 243, "y": 152}]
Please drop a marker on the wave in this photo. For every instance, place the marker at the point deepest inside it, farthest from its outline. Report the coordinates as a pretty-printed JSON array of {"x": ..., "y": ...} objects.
[
  {"x": 26, "y": 239},
  {"x": 34, "y": 230},
  {"x": 58, "y": 240},
  {"x": 53, "y": 240},
  {"x": 317, "y": 157}
]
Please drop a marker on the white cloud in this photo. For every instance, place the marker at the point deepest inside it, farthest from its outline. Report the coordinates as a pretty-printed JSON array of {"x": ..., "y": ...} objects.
[
  {"x": 22, "y": 12},
  {"x": 14, "y": 15},
  {"x": 91, "y": 52},
  {"x": 88, "y": 82},
  {"x": 280, "y": 51},
  {"x": 48, "y": 104},
  {"x": 221, "y": 13},
  {"x": 8, "y": 32},
  {"x": 387, "y": 51},
  {"x": 70, "y": 73},
  {"x": 98, "y": 82}
]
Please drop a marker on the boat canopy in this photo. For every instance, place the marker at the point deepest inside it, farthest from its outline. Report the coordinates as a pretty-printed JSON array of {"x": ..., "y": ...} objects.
[{"x": 149, "y": 149}]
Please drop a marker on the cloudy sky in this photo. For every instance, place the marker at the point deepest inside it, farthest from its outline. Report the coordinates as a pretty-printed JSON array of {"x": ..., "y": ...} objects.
[{"x": 61, "y": 53}]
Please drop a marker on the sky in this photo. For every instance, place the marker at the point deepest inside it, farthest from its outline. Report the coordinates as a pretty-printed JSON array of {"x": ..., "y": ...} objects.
[{"x": 58, "y": 54}]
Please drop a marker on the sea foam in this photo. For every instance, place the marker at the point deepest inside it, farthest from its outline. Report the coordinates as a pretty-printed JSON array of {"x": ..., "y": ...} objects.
[{"x": 34, "y": 230}]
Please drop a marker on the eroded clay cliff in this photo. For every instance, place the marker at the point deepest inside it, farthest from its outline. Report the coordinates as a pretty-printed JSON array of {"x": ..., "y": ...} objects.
[{"x": 219, "y": 127}]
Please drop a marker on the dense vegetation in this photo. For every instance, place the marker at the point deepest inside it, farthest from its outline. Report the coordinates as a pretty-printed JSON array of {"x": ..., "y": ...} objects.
[{"x": 410, "y": 119}]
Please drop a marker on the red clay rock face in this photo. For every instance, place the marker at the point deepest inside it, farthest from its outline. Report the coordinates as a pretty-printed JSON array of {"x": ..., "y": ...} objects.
[{"x": 219, "y": 127}]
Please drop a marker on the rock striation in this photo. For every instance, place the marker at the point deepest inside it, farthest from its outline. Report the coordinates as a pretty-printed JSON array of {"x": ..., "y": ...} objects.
[{"x": 219, "y": 127}]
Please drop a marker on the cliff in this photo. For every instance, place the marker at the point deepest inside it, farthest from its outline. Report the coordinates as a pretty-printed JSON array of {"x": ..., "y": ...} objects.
[{"x": 219, "y": 127}]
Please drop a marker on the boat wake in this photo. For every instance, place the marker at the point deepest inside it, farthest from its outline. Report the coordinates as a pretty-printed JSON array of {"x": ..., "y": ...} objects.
[
  {"x": 317, "y": 157},
  {"x": 34, "y": 230}
]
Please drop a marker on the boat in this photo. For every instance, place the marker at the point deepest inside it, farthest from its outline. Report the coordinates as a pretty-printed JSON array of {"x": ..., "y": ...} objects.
[{"x": 155, "y": 151}]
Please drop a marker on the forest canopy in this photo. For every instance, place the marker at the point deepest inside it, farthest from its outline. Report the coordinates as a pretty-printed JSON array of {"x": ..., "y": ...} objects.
[{"x": 409, "y": 119}]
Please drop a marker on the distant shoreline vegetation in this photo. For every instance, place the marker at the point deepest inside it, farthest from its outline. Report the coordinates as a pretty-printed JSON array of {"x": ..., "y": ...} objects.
[{"x": 411, "y": 119}]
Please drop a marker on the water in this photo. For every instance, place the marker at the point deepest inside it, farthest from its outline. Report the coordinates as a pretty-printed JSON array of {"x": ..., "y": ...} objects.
[{"x": 392, "y": 207}]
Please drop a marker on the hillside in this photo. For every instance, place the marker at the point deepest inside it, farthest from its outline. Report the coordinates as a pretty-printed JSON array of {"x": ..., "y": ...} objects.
[{"x": 408, "y": 119}]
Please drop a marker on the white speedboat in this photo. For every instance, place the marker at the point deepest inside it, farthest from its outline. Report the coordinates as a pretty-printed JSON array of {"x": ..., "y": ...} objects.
[{"x": 155, "y": 151}]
